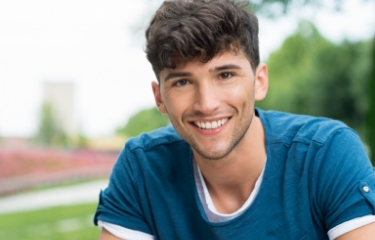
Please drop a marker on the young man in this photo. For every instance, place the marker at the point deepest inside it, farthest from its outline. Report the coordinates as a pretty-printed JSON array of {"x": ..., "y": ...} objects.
[{"x": 225, "y": 169}]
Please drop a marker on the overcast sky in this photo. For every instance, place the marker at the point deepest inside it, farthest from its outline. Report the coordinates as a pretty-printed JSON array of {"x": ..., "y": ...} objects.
[{"x": 90, "y": 43}]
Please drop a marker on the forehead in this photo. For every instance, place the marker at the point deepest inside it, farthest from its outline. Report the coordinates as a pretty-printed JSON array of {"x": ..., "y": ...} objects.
[{"x": 196, "y": 66}]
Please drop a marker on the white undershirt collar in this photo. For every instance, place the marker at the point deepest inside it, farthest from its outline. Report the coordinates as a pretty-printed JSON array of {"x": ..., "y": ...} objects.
[{"x": 211, "y": 212}]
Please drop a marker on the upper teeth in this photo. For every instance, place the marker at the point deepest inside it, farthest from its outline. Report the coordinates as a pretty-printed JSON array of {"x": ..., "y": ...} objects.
[{"x": 212, "y": 124}]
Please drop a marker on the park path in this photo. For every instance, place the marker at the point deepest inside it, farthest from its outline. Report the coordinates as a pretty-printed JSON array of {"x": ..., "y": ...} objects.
[{"x": 68, "y": 195}]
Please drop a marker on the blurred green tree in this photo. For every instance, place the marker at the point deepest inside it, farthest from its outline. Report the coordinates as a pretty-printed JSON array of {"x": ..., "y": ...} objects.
[
  {"x": 370, "y": 123},
  {"x": 311, "y": 75},
  {"x": 276, "y": 8},
  {"x": 49, "y": 132},
  {"x": 145, "y": 120}
]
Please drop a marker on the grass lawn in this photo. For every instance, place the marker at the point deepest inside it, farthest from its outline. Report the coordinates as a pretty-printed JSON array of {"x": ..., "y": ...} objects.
[{"x": 57, "y": 223}]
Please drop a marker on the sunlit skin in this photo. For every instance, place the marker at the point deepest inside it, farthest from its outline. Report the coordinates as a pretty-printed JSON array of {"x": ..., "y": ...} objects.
[{"x": 231, "y": 156}]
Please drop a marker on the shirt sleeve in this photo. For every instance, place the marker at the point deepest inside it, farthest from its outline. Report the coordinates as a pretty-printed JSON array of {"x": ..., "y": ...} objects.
[
  {"x": 345, "y": 179},
  {"x": 120, "y": 203},
  {"x": 124, "y": 233},
  {"x": 350, "y": 226}
]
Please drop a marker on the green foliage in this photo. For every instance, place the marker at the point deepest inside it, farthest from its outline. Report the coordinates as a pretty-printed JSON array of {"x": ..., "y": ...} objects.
[
  {"x": 310, "y": 75},
  {"x": 144, "y": 121},
  {"x": 49, "y": 131},
  {"x": 275, "y": 8},
  {"x": 78, "y": 141},
  {"x": 58, "y": 223},
  {"x": 82, "y": 141},
  {"x": 370, "y": 123}
]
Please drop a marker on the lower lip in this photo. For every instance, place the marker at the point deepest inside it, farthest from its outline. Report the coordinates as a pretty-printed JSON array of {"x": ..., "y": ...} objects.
[{"x": 209, "y": 132}]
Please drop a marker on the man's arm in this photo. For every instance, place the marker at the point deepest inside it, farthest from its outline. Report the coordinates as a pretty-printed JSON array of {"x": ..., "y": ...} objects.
[
  {"x": 366, "y": 232},
  {"x": 105, "y": 235}
]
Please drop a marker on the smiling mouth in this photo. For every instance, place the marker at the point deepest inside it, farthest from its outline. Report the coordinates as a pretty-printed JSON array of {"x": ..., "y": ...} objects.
[{"x": 211, "y": 125}]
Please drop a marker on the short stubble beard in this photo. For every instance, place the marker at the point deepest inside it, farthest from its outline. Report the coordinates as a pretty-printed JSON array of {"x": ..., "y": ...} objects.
[{"x": 217, "y": 155}]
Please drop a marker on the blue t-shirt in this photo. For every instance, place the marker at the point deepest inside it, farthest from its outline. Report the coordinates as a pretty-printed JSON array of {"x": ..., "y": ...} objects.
[{"x": 317, "y": 176}]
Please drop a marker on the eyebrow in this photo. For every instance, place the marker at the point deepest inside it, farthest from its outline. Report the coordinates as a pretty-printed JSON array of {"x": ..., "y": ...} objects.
[
  {"x": 224, "y": 67},
  {"x": 178, "y": 74}
]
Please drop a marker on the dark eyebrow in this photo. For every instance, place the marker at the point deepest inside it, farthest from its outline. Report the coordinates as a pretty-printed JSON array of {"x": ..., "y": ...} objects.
[
  {"x": 225, "y": 67},
  {"x": 178, "y": 74}
]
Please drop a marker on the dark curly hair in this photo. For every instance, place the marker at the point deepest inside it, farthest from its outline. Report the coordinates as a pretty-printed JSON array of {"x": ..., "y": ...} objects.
[{"x": 183, "y": 30}]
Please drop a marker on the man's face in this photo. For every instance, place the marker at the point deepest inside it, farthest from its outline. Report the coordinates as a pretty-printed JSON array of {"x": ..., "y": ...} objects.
[{"x": 211, "y": 104}]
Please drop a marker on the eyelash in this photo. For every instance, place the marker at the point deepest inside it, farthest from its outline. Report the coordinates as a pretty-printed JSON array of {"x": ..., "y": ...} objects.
[
  {"x": 226, "y": 73},
  {"x": 177, "y": 83}
]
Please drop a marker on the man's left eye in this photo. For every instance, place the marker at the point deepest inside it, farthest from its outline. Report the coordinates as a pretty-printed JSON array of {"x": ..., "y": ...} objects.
[
  {"x": 225, "y": 75},
  {"x": 181, "y": 82}
]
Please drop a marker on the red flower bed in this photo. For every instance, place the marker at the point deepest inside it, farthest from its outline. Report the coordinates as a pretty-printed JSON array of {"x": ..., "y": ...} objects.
[{"x": 26, "y": 168}]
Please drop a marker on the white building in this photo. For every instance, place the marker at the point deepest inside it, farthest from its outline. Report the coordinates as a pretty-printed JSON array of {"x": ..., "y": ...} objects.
[{"x": 61, "y": 96}]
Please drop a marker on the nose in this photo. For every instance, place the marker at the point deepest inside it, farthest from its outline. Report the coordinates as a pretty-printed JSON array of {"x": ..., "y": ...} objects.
[{"x": 206, "y": 99}]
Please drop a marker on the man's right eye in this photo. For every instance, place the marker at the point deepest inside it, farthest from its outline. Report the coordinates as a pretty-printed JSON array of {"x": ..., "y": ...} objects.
[{"x": 180, "y": 83}]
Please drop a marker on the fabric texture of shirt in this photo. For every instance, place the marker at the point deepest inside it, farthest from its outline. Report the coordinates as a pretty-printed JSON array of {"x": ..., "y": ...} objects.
[
  {"x": 214, "y": 216},
  {"x": 317, "y": 176}
]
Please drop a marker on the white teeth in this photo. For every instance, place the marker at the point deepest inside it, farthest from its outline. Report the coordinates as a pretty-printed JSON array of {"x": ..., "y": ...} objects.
[{"x": 211, "y": 125}]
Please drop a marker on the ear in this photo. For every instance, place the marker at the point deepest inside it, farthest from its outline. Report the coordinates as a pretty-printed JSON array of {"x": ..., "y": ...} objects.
[
  {"x": 157, "y": 96},
  {"x": 261, "y": 82}
]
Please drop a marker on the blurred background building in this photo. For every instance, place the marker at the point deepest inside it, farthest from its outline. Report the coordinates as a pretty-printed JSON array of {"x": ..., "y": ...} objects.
[{"x": 61, "y": 97}]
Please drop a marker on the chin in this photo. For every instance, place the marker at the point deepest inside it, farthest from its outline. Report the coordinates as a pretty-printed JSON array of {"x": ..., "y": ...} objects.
[{"x": 216, "y": 154}]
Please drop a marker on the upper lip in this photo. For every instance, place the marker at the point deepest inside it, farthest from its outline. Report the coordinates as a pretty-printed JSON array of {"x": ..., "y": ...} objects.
[{"x": 209, "y": 119}]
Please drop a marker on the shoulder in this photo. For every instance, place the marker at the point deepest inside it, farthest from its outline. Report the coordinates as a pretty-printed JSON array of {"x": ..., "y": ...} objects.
[
  {"x": 289, "y": 128},
  {"x": 161, "y": 148},
  {"x": 325, "y": 164},
  {"x": 148, "y": 141},
  {"x": 313, "y": 143}
]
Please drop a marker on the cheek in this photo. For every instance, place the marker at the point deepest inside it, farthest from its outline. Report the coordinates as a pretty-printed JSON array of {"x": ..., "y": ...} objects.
[
  {"x": 177, "y": 104},
  {"x": 238, "y": 93}
]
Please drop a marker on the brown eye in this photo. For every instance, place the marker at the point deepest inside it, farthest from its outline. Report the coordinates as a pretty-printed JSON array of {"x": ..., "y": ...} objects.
[
  {"x": 225, "y": 75},
  {"x": 180, "y": 83}
]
